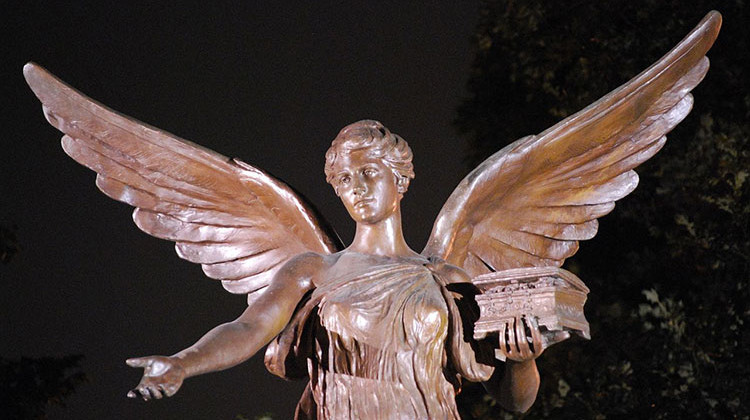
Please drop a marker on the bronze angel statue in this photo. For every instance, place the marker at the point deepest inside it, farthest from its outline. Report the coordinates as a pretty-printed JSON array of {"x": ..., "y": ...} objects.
[{"x": 378, "y": 330}]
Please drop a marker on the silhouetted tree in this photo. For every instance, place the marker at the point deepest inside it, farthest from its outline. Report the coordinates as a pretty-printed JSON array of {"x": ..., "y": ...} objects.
[
  {"x": 8, "y": 242},
  {"x": 669, "y": 269},
  {"x": 28, "y": 387}
]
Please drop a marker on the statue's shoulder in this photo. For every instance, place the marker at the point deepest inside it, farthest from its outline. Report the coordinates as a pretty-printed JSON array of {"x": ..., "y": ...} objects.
[
  {"x": 316, "y": 259},
  {"x": 307, "y": 267},
  {"x": 447, "y": 273},
  {"x": 324, "y": 267}
]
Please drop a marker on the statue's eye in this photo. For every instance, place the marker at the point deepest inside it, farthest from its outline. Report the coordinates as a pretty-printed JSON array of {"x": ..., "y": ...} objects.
[
  {"x": 370, "y": 172},
  {"x": 344, "y": 179}
]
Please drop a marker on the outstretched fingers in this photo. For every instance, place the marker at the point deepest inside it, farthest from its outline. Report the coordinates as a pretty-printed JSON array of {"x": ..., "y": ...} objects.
[
  {"x": 162, "y": 377},
  {"x": 138, "y": 362},
  {"x": 147, "y": 392}
]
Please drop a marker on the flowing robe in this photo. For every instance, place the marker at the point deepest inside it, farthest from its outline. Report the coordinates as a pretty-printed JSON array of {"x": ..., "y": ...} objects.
[{"x": 380, "y": 342}]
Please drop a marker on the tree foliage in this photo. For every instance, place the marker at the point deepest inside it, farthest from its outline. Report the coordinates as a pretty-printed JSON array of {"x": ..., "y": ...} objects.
[
  {"x": 28, "y": 387},
  {"x": 8, "y": 242},
  {"x": 669, "y": 269}
]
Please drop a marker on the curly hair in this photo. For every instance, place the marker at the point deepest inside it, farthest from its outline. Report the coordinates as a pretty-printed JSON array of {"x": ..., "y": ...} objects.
[{"x": 379, "y": 143}]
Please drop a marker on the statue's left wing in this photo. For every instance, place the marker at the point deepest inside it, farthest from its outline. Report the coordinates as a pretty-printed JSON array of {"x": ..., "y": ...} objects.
[
  {"x": 238, "y": 222},
  {"x": 530, "y": 203}
]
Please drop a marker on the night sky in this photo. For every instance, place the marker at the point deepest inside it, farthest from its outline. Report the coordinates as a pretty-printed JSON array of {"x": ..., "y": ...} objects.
[{"x": 266, "y": 82}]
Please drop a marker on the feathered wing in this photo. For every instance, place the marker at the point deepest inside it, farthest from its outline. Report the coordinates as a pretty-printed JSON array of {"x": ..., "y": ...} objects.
[
  {"x": 238, "y": 222},
  {"x": 530, "y": 203}
]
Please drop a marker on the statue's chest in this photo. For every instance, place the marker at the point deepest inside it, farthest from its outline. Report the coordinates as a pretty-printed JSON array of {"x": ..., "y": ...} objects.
[{"x": 386, "y": 307}]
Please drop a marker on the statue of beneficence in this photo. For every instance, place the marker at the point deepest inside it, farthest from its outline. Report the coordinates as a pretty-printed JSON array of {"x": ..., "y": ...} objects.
[{"x": 379, "y": 330}]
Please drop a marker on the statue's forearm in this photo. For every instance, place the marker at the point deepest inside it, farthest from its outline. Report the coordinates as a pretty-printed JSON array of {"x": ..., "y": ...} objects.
[
  {"x": 223, "y": 347},
  {"x": 516, "y": 386},
  {"x": 232, "y": 343}
]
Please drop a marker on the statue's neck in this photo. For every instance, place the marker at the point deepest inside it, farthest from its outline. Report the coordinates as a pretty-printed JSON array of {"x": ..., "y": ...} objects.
[{"x": 384, "y": 238}]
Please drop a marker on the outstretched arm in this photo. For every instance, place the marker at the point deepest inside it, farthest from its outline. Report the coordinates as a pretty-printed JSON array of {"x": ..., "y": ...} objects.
[{"x": 234, "y": 342}]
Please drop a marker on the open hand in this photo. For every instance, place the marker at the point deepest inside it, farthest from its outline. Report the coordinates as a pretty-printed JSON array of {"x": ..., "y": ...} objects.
[
  {"x": 521, "y": 340},
  {"x": 162, "y": 376}
]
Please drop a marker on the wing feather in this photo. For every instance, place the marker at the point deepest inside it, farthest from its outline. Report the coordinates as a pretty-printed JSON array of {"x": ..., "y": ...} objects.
[
  {"x": 530, "y": 203},
  {"x": 170, "y": 228},
  {"x": 146, "y": 200},
  {"x": 238, "y": 222},
  {"x": 564, "y": 214},
  {"x": 248, "y": 266},
  {"x": 125, "y": 169},
  {"x": 561, "y": 231},
  {"x": 533, "y": 244}
]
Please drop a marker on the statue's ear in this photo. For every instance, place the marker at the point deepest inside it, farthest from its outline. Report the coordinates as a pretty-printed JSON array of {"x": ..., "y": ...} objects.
[{"x": 402, "y": 183}]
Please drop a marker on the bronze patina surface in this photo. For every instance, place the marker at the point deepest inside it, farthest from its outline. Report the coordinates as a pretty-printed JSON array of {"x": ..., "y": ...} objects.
[{"x": 377, "y": 329}]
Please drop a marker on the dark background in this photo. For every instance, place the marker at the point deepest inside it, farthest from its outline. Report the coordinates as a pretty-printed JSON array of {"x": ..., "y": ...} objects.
[
  {"x": 272, "y": 84},
  {"x": 268, "y": 82}
]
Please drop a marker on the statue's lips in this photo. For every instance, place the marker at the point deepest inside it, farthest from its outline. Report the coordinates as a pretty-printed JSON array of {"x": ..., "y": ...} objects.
[{"x": 363, "y": 202}]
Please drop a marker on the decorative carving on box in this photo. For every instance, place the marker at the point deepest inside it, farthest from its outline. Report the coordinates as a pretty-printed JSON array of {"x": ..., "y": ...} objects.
[{"x": 553, "y": 295}]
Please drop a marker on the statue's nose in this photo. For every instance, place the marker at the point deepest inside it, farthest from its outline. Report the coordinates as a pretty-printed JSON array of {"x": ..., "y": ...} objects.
[{"x": 359, "y": 187}]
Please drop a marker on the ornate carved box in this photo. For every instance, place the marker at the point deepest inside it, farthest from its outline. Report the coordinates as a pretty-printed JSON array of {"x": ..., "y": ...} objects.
[{"x": 553, "y": 295}]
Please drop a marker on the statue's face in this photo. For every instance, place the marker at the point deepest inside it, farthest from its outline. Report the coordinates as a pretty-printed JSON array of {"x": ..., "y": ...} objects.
[{"x": 367, "y": 187}]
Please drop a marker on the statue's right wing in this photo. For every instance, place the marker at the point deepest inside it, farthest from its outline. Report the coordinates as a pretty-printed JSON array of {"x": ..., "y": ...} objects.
[{"x": 238, "y": 222}]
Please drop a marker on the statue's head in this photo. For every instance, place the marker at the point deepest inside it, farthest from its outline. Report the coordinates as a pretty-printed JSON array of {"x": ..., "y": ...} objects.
[{"x": 379, "y": 143}]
